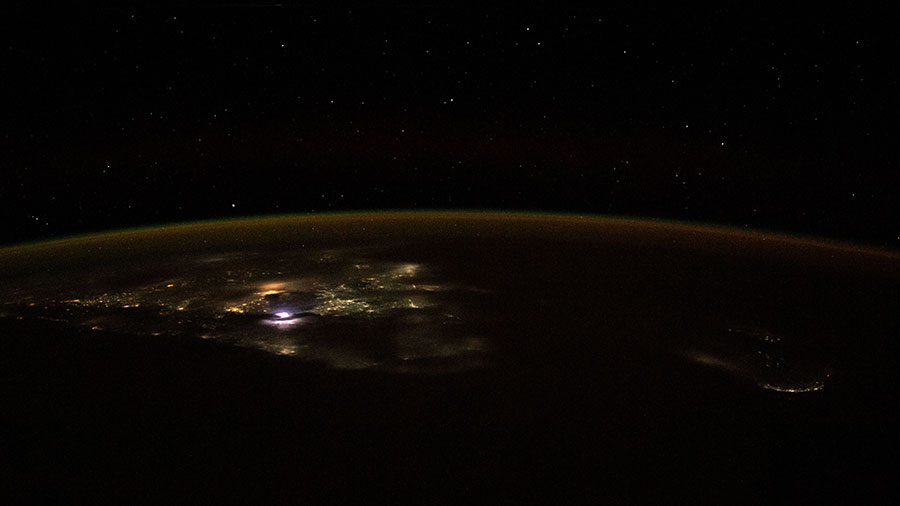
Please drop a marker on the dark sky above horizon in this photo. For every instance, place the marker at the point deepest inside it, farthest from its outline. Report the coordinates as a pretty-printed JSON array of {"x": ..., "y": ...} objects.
[{"x": 766, "y": 118}]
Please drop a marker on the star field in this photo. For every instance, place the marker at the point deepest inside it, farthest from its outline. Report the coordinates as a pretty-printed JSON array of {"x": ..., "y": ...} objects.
[{"x": 756, "y": 118}]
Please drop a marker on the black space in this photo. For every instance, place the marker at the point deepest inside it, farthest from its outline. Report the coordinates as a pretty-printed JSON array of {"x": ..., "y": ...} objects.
[{"x": 761, "y": 117}]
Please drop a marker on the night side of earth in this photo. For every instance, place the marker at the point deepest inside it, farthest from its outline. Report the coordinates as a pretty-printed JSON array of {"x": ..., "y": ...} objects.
[{"x": 417, "y": 356}]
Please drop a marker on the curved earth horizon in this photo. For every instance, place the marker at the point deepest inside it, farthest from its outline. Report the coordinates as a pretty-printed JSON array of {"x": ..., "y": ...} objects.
[{"x": 448, "y": 352}]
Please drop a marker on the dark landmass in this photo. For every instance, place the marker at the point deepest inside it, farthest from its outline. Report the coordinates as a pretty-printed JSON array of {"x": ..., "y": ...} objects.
[{"x": 737, "y": 368}]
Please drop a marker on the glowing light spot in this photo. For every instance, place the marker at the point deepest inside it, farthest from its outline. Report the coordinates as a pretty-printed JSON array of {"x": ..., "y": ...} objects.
[
  {"x": 406, "y": 270},
  {"x": 283, "y": 315},
  {"x": 812, "y": 387}
]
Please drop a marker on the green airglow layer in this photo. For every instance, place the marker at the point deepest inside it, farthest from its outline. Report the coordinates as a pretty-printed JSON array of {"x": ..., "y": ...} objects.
[{"x": 441, "y": 222}]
